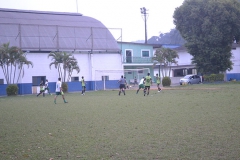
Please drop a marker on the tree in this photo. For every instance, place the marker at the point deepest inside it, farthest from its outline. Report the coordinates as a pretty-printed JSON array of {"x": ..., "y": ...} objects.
[
  {"x": 209, "y": 28},
  {"x": 65, "y": 63},
  {"x": 12, "y": 60},
  {"x": 166, "y": 57}
]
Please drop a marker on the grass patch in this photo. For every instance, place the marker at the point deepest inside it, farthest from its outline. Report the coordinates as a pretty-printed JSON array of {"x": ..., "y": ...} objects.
[{"x": 186, "y": 122}]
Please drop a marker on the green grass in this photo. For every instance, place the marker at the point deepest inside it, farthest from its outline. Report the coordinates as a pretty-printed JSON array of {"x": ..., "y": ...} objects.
[{"x": 186, "y": 122}]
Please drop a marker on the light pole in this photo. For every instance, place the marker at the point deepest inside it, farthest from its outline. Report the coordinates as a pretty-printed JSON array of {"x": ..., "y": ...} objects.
[{"x": 144, "y": 13}]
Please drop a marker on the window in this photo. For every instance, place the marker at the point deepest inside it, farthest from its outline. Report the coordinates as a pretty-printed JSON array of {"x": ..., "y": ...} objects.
[
  {"x": 1, "y": 81},
  {"x": 36, "y": 80},
  {"x": 105, "y": 78},
  {"x": 145, "y": 53},
  {"x": 74, "y": 79}
]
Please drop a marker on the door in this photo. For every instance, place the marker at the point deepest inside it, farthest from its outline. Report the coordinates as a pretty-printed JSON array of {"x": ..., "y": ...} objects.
[{"x": 128, "y": 56}]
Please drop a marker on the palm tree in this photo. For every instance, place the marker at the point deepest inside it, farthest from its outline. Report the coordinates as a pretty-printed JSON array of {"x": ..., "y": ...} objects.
[
  {"x": 21, "y": 61},
  {"x": 72, "y": 65},
  {"x": 166, "y": 57},
  {"x": 11, "y": 59},
  {"x": 64, "y": 61},
  {"x": 57, "y": 60}
]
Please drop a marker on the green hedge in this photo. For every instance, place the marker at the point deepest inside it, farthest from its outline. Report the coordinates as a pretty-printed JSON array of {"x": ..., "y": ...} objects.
[
  {"x": 65, "y": 87},
  {"x": 166, "y": 81},
  {"x": 12, "y": 89},
  {"x": 213, "y": 77}
]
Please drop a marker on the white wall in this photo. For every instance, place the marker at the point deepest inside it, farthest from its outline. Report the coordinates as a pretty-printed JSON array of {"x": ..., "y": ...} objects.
[
  {"x": 107, "y": 62},
  {"x": 87, "y": 63},
  {"x": 236, "y": 60},
  {"x": 184, "y": 58}
]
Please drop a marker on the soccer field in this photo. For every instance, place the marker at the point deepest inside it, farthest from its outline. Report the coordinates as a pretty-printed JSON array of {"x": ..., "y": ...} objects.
[{"x": 182, "y": 122}]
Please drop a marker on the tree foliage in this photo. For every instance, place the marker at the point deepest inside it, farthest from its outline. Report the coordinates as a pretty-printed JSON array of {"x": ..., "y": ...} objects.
[
  {"x": 12, "y": 61},
  {"x": 166, "y": 57},
  {"x": 209, "y": 28},
  {"x": 65, "y": 63},
  {"x": 172, "y": 37}
]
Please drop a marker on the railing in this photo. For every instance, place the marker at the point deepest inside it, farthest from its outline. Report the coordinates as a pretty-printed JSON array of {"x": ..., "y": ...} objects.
[{"x": 137, "y": 59}]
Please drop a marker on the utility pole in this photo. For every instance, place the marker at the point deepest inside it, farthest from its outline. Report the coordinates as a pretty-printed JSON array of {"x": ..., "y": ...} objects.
[
  {"x": 144, "y": 13},
  {"x": 77, "y": 5}
]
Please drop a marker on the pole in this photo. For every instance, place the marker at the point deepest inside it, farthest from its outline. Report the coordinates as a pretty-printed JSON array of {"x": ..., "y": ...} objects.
[
  {"x": 145, "y": 27},
  {"x": 77, "y": 5},
  {"x": 143, "y": 11}
]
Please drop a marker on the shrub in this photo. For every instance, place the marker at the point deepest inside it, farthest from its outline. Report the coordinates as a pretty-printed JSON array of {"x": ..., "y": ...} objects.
[
  {"x": 214, "y": 77},
  {"x": 166, "y": 81},
  {"x": 64, "y": 87},
  {"x": 12, "y": 89},
  {"x": 220, "y": 77}
]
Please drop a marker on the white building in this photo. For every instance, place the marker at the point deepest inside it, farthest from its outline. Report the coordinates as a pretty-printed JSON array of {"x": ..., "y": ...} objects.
[{"x": 39, "y": 33}]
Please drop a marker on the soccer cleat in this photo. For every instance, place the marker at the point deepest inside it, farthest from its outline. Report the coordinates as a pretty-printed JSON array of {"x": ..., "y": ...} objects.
[{"x": 65, "y": 102}]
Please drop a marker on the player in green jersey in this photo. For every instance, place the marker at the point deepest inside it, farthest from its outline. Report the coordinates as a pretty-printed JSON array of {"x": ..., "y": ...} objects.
[
  {"x": 148, "y": 82},
  {"x": 42, "y": 90},
  {"x": 83, "y": 86},
  {"x": 158, "y": 83}
]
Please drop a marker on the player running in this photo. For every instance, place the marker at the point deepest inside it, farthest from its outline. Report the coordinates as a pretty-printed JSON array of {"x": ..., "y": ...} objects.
[
  {"x": 121, "y": 86},
  {"x": 148, "y": 82},
  {"x": 59, "y": 91},
  {"x": 42, "y": 90},
  {"x": 46, "y": 87},
  {"x": 141, "y": 85},
  {"x": 158, "y": 83}
]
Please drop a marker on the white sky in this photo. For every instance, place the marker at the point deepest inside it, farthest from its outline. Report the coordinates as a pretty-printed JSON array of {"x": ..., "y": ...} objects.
[{"x": 123, "y": 14}]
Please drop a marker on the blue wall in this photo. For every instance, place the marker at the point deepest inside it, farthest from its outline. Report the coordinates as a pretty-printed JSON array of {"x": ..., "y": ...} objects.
[
  {"x": 3, "y": 89},
  {"x": 233, "y": 76},
  {"x": 26, "y": 88}
]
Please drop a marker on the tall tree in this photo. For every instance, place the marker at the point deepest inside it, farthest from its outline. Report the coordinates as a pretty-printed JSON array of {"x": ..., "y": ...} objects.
[
  {"x": 166, "y": 57},
  {"x": 65, "y": 63},
  {"x": 209, "y": 28},
  {"x": 12, "y": 61}
]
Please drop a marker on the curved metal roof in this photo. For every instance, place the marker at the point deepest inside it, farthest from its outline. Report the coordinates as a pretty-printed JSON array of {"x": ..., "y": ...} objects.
[{"x": 38, "y": 30}]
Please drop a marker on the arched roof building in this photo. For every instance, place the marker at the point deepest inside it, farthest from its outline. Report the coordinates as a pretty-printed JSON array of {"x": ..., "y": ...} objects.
[{"x": 54, "y": 31}]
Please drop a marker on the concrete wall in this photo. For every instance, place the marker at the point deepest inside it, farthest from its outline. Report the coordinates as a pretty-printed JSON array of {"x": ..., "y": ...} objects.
[{"x": 88, "y": 63}]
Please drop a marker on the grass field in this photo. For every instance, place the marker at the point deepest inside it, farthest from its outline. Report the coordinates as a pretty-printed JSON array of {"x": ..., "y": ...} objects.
[{"x": 182, "y": 122}]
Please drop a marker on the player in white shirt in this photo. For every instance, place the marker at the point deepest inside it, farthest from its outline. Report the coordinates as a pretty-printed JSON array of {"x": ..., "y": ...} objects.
[
  {"x": 59, "y": 91},
  {"x": 141, "y": 85}
]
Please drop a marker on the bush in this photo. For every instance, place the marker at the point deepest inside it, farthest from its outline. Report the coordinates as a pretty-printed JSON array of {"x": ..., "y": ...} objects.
[
  {"x": 166, "y": 81},
  {"x": 219, "y": 77},
  {"x": 12, "y": 89},
  {"x": 214, "y": 77},
  {"x": 65, "y": 87}
]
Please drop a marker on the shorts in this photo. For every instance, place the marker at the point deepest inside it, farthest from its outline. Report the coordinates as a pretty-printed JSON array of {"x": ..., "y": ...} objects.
[
  {"x": 122, "y": 86},
  {"x": 147, "y": 87},
  {"x": 141, "y": 86},
  {"x": 58, "y": 93}
]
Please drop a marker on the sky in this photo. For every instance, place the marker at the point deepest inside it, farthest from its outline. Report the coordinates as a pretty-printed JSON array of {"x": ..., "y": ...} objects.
[{"x": 122, "y": 17}]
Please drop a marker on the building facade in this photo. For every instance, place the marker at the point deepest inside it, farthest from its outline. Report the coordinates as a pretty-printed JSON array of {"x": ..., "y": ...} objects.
[{"x": 39, "y": 33}]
